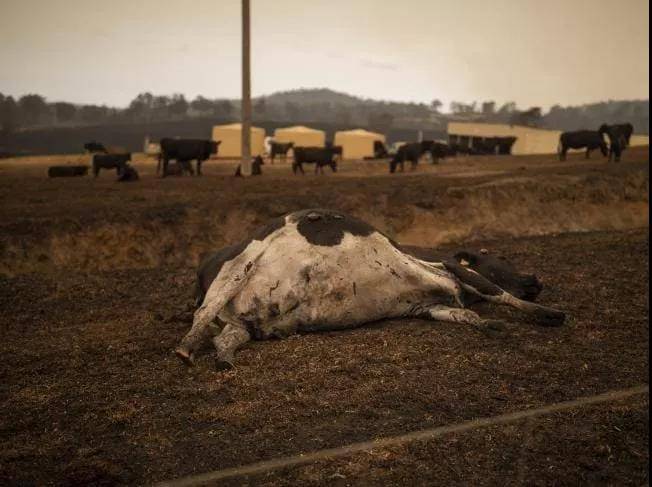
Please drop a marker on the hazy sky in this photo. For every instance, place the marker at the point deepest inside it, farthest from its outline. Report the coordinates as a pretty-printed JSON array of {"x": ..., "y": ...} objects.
[{"x": 535, "y": 52}]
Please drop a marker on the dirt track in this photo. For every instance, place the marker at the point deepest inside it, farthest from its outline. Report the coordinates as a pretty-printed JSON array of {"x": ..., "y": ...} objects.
[{"x": 92, "y": 394}]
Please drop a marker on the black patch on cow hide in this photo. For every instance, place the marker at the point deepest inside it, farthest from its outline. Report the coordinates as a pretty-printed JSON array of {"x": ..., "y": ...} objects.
[{"x": 327, "y": 227}]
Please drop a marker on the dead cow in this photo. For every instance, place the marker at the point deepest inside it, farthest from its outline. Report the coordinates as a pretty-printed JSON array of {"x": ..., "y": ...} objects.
[{"x": 323, "y": 270}]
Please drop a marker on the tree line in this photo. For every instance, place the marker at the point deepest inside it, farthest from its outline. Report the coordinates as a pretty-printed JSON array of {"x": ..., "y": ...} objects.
[{"x": 315, "y": 105}]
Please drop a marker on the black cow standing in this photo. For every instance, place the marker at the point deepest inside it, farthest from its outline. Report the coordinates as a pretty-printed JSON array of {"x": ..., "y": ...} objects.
[
  {"x": 255, "y": 167},
  {"x": 110, "y": 161},
  {"x": 95, "y": 147},
  {"x": 279, "y": 149},
  {"x": 184, "y": 151},
  {"x": 412, "y": 152},
  {"x": 580, "y": 139},
  {"x": 619, "y": 137},
  {"x": 320, "y": 156}
]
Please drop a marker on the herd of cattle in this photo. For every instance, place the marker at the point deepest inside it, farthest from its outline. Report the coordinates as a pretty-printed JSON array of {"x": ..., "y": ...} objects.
[
  {"x": 619, "y": 136},
  {"x": 184, "y": 151}
]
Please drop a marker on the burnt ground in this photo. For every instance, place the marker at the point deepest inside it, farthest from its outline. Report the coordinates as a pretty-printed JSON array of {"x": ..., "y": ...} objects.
[
  {"x": 92, "y": 394},
  {"x": 92, "y": 307}
]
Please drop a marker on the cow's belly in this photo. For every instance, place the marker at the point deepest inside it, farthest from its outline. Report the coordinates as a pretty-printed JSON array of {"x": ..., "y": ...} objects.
[{"x": 314, "y": 287}]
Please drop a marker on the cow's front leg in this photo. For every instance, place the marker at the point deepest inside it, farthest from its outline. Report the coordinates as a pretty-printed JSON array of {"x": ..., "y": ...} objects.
[
  {"x": 198, "y": 334},
  {"x": 198, "y": 167},
  {"x": 227, "y": 342},
  {"x": 464, "y": 316}
]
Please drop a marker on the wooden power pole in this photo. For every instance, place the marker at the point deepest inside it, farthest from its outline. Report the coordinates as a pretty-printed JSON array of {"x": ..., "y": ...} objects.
[{"x": 246, "y": 91}]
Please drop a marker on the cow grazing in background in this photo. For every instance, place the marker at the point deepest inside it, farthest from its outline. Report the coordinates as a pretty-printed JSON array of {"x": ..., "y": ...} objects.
[
  {"x": 580, "y": 139},
  {"x": 128, "y": 174},
  {"x": 411, "y": 152},
  {"x": 183, "y": 151},
  {"x": 279, "y": 149},
  {"x": 320, "y": 156},
  {"x": 95, "y": 147},
  {"x": 67, "y": 171},
  {"x": 110, "y": 161},
  {"x": 256, "y": 169},
  {"x": 317, "y": 270},
  {"x": 505, "y": 144},
  {"x": 619, "y": 137},
  {"x": 439, "y": 150},
  {"x": 380, "y": 150}
]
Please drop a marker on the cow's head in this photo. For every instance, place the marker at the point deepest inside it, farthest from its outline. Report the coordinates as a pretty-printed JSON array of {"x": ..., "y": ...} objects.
[
  {"x": 502, "y": 273},
  {"x": 604, "y": 128},
  {"x": 393, "y": 163}
]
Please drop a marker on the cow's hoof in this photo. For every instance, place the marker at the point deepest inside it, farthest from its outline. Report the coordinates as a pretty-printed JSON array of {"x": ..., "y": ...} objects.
[
  {"x": 223, "y": 364},
  {"x": 185, "y": 356}
]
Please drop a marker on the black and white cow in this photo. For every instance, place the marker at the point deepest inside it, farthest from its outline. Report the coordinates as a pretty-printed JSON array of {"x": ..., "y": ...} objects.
[
  {"x": 110, "y": 161},
  {"x": 581, "y": 139},
  {"x": 320, "y": 156},
  {"x": 183, "y": 151},
  {"x": 324, "y": 270},
  {"x": 279, "y": 149}
]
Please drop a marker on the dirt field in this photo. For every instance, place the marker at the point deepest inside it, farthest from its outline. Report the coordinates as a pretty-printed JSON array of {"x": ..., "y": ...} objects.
[{"x": 96, "y": 289}]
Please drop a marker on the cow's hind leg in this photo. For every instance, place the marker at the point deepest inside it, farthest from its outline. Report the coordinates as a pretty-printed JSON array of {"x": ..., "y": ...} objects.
[
  {"x": 476, "y": 284},
  {"x": 227, "y": 342},
  {"x": 463, "y": 316}
]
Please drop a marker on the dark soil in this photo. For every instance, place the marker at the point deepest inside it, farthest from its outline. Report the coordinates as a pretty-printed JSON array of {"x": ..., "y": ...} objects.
[
  {"x": 91, "y": 393},
  {"x": 96, "y": 289}
]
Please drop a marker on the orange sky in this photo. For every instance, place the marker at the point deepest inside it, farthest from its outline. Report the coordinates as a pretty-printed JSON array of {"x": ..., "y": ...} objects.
[{"x": 530, "y": 51}]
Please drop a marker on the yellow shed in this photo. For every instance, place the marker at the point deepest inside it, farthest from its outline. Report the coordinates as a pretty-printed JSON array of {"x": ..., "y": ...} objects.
[
  {"x": 639, "y": 140},
  {"x": 358, "y": 143},
  {"x": 529, "y": 140},
  {"x": 301, "y": 136},
  {"x": 231, "y": 137}
]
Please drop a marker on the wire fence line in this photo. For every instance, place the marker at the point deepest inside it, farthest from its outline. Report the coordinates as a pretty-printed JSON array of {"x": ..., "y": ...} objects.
[{"x": 419, "y": 435}]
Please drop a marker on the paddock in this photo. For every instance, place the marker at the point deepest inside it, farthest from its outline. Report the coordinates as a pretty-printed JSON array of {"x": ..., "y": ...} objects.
[{"x": 96, "y": 289}]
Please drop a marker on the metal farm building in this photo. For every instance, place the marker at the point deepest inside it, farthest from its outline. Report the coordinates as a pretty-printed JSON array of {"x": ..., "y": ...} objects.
[
  {"x": 529, "y": 140},
  {"x": 301, "y": 136},
  {"x": 231, "y": 137},
  {"x": 358, "y": 143}
]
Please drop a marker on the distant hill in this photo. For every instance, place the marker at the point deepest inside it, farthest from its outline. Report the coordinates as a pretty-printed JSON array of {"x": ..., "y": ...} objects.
[
  {"x": 32, "y": 124},
  {"x": 306, "y": 96}
]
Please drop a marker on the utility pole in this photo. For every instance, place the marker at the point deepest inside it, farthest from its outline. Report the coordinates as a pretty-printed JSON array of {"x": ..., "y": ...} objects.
[{"x": 246, "y": 91}]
